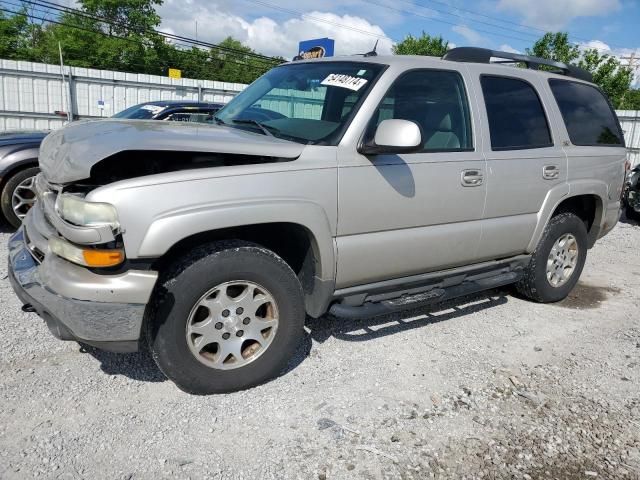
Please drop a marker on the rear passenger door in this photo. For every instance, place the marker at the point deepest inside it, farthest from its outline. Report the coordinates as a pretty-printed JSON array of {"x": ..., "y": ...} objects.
[
  {"x": 404, "y": 214},
  {"x": 524, "y": 161}
]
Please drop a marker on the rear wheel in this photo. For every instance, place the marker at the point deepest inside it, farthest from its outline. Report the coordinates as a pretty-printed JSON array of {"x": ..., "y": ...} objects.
[
  {"x": 558, "y": 261},
  {"x": 227, "y": 317},
  {"x": 18, "y": 195}
]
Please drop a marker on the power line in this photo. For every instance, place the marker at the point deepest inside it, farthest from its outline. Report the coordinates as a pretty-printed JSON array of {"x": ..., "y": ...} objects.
[
  {"x": 318, "y": 19},
  {"x": 455, "y": 24},
  {"x": 255, "y": 68},
  {"x": 541, "y": 30},
  {"x": 172, "y": 37},
  {"x": 445, "y": 12},
  {"x": 366, "y": 32}
]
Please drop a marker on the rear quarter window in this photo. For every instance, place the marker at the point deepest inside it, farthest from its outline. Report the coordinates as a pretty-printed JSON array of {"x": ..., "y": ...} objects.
[
  {"x": 587, "y": 114},
  {"x": 515, "y": 114}
]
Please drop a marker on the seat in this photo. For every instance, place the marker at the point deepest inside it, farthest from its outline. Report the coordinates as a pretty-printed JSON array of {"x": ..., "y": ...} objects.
[{"x": 437, "y": 128}]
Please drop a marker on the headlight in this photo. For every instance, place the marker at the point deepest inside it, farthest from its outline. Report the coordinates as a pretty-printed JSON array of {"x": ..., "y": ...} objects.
[
  {"x": 88, "y": 257},
  {"x": 78, "y": 211}
]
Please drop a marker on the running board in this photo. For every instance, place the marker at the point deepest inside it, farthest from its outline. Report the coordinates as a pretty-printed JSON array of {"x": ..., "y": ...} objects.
[{"x": 430, "y": 297}]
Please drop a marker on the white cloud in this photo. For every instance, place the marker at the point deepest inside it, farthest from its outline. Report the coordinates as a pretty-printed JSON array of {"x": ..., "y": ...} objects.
[
  {"x": 508, "y": 48},
  {"x": 471, "y": 36},
  {"x": 554, "y": 15},
  {"x": 622, "y": 54},
  {"x": 270, "y": 36}
]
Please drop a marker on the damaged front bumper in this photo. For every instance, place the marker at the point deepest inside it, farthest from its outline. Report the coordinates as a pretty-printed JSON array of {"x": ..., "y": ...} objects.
[{"x": 105, "y": 311}]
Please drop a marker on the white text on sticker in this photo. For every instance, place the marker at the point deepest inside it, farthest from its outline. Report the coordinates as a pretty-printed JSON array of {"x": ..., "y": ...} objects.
[{"x": 344, "y": 81}]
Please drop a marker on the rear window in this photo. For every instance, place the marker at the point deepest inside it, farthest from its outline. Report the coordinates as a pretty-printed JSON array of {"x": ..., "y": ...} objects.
[
  {"x": 516, "y": 117},
  {"x": 587, "y": 114}
]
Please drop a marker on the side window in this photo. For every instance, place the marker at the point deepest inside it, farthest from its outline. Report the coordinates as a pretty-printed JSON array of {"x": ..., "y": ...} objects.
[
  {"x": 435, "y": 100},
  {"x": 586, "y": 113},
  {"x": 515, "y": 114}
]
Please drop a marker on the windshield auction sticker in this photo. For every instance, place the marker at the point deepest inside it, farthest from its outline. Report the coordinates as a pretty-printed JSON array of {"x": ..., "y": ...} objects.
[{"x": 344, "y": 81}]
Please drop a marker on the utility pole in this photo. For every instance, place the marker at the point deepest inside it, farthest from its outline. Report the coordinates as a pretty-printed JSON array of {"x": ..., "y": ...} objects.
[
  {"x": 69, "y": 108},
  {"x": 633, "y": 64}
]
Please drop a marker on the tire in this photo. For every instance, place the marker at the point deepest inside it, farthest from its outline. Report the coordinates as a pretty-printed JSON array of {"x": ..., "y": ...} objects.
[
  {"x": 535, "y": 283},
  {"x": 213, "y": 269},
  {"x": 6, "y": 197},
  {"x": 631, "y": 214}
]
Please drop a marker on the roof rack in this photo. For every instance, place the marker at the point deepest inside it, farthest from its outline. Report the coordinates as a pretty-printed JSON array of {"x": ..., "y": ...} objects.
[{"x": 484, "y": 55}]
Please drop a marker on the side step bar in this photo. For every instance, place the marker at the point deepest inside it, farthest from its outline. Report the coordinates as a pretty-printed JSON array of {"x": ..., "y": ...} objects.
[{"x": 435, "y": 295}]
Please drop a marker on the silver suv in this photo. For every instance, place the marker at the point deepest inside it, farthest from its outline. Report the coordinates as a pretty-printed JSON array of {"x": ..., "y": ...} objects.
[{"x": 356, "y": 186}]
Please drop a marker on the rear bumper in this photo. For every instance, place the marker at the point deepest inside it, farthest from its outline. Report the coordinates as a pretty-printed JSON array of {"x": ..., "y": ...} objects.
[
  {"x": 611, "y": 217},
  {"x": 95, "y": 309}
]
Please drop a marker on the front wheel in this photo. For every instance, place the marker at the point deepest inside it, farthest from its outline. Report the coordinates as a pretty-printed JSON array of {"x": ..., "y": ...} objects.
[
  {"x": 227, "y": 317},
  {"x": 18, "y": 195},
  {"x": 558, "y": 261}
]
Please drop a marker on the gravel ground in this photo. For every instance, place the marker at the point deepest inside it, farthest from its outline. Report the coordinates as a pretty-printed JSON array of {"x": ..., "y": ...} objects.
[{"x": 490, "y": 386}]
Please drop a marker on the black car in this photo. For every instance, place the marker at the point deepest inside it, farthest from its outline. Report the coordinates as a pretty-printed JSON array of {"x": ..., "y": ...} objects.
[
  {"x": 19, "y": 150},
  {"x": 631, "y": 195}
]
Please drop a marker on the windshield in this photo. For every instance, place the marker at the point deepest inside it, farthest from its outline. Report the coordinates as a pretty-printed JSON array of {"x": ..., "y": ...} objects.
[
  {"x": 141, "y": 112},
  {"x": 310, "y": 103}
]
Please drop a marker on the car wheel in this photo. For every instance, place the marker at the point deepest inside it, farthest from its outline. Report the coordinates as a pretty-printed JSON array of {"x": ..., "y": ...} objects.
[
  {"x": 18, "y": 195},
  {"x": 632, "y": 214},
  {"x": 558, "y": 261},
  {"x": 228, "y": 316}
]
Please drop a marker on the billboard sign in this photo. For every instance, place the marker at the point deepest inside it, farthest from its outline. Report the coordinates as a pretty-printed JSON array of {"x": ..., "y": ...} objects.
[{"x": 316, "y": 48}]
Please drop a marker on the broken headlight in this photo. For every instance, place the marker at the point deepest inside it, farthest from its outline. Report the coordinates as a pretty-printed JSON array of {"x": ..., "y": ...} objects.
[{"x": 79, "y": 212}]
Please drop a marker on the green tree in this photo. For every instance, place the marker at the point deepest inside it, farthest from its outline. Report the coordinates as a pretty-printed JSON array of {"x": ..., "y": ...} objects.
[
  {"x": 555, "y": 46},
  {"x": 17, "y": 36},
  {"x": 423, "y": 45},
  {"x": 125, "y": 40},
  {"x": 614, "y": 79},
  {"x": 631, "y": 100}
]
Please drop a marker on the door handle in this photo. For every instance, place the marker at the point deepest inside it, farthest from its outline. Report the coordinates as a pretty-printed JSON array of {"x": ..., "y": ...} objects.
[
  {"x": 550, "y": 172},
  {"x": 471, "y": 178}
]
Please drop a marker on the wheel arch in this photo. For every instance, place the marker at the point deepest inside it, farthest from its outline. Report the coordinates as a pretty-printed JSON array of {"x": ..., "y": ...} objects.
[
  {"x": 295, "y": 243},
  {"x": 586, "y": 200}
]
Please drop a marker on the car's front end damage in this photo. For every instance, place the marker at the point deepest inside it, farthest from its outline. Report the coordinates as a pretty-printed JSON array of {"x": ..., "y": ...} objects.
[
  {"x": 69, "y": 262},
  {"x": 61, "y": 270}
]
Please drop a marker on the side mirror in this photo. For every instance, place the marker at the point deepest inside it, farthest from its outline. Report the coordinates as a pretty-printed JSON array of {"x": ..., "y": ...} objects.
[{"x": 394, "y": 136}]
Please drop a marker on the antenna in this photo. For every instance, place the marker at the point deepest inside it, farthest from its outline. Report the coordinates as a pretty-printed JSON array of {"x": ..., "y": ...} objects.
[{"x": 373, "y": 52}]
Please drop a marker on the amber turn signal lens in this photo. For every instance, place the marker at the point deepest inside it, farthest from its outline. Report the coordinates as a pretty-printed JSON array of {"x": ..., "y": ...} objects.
[{"x": 103, "y": 258}]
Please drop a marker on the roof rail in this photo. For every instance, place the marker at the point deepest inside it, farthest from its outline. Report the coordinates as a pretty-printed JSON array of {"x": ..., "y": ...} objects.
[{"x": 484, "y": 55}]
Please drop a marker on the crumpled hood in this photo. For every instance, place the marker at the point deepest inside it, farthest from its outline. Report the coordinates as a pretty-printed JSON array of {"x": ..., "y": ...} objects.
[{"x": 67, "y": 154}]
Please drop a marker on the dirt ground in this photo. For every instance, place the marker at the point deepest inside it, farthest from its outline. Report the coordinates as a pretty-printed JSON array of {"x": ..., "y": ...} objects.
[{"x": 490, "y": 386}]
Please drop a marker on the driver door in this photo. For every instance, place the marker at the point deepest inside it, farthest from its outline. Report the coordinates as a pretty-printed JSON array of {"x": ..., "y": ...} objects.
[{"x": 406, "y": 214}]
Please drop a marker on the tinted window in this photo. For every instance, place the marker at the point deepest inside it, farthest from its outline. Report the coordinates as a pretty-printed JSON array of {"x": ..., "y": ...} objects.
[
  {"x": 437, "y": 102},
  {"x": 516, "y": 117},
  {"x": 586, "y": 113}
]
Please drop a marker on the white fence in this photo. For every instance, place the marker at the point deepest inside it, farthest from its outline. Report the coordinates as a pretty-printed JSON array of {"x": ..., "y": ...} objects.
[
  {"x": 32, "y": 93},
  {"x": 630, "y": 121}
]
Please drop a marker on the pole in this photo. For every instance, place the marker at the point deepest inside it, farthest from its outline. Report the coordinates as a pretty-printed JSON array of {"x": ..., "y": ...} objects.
[{"x": 69, "y": 108}]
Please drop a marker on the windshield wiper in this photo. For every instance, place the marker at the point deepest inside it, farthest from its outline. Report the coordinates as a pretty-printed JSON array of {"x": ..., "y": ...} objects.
[{"x": 261, "y": 126}]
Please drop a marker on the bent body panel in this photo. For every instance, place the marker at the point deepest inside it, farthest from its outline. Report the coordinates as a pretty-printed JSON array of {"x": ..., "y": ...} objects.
[{"x": 301, "y": 192}]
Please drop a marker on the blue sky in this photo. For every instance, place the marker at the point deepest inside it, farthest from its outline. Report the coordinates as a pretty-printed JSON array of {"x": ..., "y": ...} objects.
[{"x": 274, "y": 27}]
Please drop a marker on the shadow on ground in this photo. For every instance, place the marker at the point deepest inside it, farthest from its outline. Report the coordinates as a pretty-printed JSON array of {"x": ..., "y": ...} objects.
[
  {"x": 5, "y": 227},
  {"x": 371, "y": 328},
  {"x": 625, "y": 219},
  {"x": 137, "y": 366},
  {"x": 141, "y": 366}
]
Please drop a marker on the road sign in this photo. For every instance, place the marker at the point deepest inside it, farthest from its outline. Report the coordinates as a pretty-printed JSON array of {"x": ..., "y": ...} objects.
[{"x": 175, "y": 73}]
